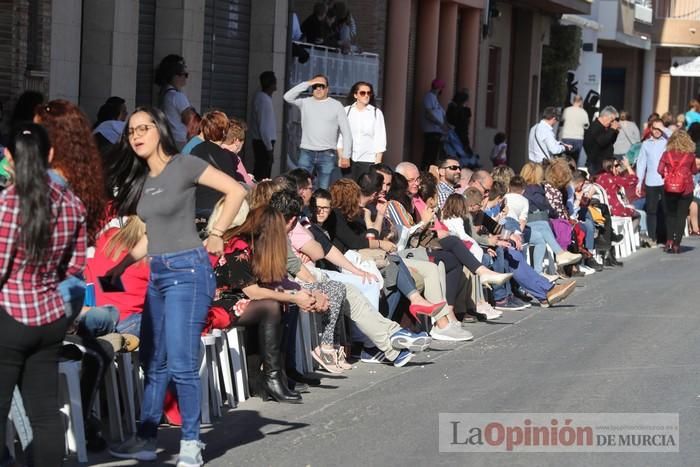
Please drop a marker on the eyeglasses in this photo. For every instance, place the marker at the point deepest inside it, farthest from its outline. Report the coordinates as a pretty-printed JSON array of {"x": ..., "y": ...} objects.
[
  {"x": 318, "y": 86},
  {"x": 452, "y": 167},
  {"x": 185, "y": 74},
  {"x": 364, "y": 93},
  {"x": 139, "y": 130},
  {"x": 322, "y": 208}
]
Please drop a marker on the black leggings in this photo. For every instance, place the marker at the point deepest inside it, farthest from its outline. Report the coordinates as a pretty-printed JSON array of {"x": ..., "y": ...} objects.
[
  {"x": 29, "y": 358},
  {"x": 258, "y": 311},
  {"x": 676, "y": 207}
]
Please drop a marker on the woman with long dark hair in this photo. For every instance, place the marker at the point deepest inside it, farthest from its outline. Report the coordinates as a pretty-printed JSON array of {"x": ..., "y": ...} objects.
[
  {"x": 42, "y": 239},
  {"x": 152, "y": 180},
  {"x": 677, "y": 167},
  {"x": 368, "y": 130}
]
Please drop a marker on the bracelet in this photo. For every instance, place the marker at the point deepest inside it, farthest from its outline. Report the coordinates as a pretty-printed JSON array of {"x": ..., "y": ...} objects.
[
  {"x": 213, "y": 234},
  {"x": 221, "y": 232}
]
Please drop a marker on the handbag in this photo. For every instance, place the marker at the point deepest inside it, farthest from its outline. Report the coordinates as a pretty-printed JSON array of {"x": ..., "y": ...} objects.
[
  {"x": 426, "y": 238},
  {"x": 374, "y": 254}
]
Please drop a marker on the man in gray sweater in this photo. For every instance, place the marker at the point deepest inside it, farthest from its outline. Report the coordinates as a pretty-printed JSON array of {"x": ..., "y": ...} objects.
[{"x": 321, "y": 119}]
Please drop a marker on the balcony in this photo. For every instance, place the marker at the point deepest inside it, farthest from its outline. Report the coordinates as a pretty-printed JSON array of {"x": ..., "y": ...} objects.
[
  {"x": 342, "y": 70},
  {"x": 676, "y": 23},
  {"x": 621, "y": 25},
  {"x": 643, "y": 12}
]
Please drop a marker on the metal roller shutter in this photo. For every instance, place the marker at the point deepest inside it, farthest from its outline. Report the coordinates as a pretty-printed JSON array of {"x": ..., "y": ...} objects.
[
  {"x": 6, "y": 57},
  {"x": 145, "y": 67},
  {"x": 225, "y": 64}
]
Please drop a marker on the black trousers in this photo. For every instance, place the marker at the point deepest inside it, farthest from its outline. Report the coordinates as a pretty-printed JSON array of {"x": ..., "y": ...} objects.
[
  {"x": 653, "y": 200},
  {"x": 262, "y": 165},
  {"x": 431, "y": 149},
  {"x": 676, "y": 207},
  {"x": 29, "y": 358}
]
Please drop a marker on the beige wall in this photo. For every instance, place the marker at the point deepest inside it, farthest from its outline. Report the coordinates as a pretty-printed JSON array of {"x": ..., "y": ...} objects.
[
  {"x": 109, "y": 53},
  {"x": 500, "y": 36},
  {"x": 268, "y": 51},
  {"x": 64, "y": 78}
]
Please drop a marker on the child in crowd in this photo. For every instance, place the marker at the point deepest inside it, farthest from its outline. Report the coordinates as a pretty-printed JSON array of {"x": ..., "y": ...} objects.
[
  {"x": 499, "y": 153},
  {"x": 494, "y": 206},
  {"x": 516, "y": 206}
]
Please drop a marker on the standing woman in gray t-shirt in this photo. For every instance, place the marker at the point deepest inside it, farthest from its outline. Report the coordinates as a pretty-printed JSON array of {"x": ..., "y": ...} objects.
[{"x": 158, "y": 184}]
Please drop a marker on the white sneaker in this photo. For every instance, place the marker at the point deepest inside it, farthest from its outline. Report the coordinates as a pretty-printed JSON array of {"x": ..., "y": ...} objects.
[
  {"x": 451, "y": 333},
  {"x": 566, "y": 257},
  {"x": 586, "y": 270},
  {"x": 485, "y": 308}
]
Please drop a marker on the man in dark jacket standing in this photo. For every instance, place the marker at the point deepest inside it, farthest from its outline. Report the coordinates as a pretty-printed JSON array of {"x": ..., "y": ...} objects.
[{"x": 599, "y": 139}]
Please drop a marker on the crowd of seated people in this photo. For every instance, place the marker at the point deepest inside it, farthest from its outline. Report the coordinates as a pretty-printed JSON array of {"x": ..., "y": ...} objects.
[{"x": 403, "y": 257}]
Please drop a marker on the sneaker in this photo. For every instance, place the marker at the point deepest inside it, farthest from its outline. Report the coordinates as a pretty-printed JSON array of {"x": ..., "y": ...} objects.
[
  {"x": 566, "y": 257},
  {"x": 190, "y": 453},
  {"x": 373, "y": 355},
  {"x": 560, "y": 292},
  {"x": 405, "y": 339},
  {"x": 593, "y": 264},
  {"x": 136, "y": 448},
  {"x": 404, "y": 357},
  {"x": 451, "y": 333},
  {"x": 586, "y": 270},
  {"x": 485, "y": 309},
  {"x": 507, "y": 304},
  {"x": 520, "y": 302},
  {"x": 469, "y": 319}
]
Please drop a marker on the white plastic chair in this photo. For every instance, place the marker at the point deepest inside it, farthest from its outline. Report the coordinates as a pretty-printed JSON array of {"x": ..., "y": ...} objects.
[{"x": 69, "y": 392}]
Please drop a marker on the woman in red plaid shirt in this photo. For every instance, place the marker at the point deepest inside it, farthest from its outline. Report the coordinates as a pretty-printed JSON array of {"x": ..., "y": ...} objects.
[{"x": 42, "y": 240}]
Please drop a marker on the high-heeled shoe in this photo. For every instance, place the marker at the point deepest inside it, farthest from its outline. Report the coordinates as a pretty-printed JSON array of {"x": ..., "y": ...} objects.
[
  {"x": 487, "y": 280},
  {"x": 432, "y": 310}
]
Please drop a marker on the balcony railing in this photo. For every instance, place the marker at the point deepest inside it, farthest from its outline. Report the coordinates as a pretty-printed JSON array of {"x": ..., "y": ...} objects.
[
  {"x": 342, "y": 70},
  {"x": 677, "y": 9}
]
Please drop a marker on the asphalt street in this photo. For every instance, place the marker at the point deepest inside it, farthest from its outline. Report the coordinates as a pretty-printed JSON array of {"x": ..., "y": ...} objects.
[{"x": 626, "y": 340}]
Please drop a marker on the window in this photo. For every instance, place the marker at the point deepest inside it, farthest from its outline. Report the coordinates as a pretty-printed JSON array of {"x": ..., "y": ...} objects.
[{"x": 492, "y": 87}]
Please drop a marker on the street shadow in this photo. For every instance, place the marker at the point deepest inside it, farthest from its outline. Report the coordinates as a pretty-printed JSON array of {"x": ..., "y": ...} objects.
[{"x": 243, "y": 427}]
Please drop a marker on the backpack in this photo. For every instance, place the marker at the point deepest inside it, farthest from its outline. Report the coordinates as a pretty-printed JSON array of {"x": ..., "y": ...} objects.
[{"x": 676, "y": 177}]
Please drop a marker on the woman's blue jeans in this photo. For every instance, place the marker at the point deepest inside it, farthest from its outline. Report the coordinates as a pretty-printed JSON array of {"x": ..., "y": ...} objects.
[
  {"x": 541, "y": 235},
  {"x": 180, "y": 290}
]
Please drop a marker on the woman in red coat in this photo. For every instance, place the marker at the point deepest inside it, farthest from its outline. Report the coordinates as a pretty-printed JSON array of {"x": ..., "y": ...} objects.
[{"x": 677, "y": 167}]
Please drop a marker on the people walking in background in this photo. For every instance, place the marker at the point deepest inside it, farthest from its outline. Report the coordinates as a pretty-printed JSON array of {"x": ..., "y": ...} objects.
[
  {"x": 171, "y": 76},
  {"x": 677, "y": 167},
  {"x": 599, "y": 139},
  {"x": 693, "y": 113},
  {"x": 110, "y": 123},
  {"x": 459, "y": 115},
  {"x": 263, "y": 126},
  {"x": 542, "y": 145},
  {"x": 368, "y": 131},
  {"x": 433, "y": 123},
  {"x": 647, "y": 171},
  {"x": 499, "y": 153},
  {"x": 574, "y": 124},
  {"x": 321, "y": 119},
  {"x": 628, "y": 137},
  {"x": 43, "y": 239}
]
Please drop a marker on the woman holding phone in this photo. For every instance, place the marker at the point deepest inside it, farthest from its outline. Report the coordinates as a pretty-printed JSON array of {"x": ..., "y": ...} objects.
[{"x": 152, "y": 180}]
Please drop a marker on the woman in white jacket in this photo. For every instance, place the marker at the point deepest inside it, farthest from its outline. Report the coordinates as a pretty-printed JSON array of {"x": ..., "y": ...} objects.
[{"x": 368, "y": 131}]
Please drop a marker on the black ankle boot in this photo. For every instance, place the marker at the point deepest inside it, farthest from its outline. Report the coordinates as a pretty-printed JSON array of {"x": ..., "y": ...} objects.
[
  {"x": 613, "y": 260},
  {"x": 274, "y": 383}
]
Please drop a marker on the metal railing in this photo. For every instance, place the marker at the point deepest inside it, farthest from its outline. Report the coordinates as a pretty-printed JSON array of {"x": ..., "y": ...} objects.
[{"x": 342, "y": 70}]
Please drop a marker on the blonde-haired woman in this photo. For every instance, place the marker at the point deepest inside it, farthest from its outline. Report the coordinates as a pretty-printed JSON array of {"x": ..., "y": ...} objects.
[{"x": 677, "y": 167}]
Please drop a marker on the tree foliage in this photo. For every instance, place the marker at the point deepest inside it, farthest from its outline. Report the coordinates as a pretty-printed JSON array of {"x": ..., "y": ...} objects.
[{"x": 560, "y": 56}]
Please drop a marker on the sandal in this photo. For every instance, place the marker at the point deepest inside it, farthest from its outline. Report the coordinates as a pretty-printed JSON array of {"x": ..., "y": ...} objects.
[
  {"x": 328, "y": 359},
  {"x": 340, "y": 357}
]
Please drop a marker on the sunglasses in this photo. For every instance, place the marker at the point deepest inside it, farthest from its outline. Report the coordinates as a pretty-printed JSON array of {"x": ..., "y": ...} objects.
[
  {"x": 452, "y": 167},
  {"x": 364, "y": 93},
  {"x": 318, "y": 86}
]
